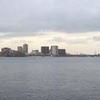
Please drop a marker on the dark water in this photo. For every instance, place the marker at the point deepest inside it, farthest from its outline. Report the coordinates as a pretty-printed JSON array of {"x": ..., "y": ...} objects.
[{"x": 47, "y": 78}]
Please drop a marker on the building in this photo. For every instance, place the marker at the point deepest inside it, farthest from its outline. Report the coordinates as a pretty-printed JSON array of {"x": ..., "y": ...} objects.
[
  {"x": 35, "y": 52},
  {"x": 3, "y": 50},
  {"x": 25, "y": 48},
  {"x": 17, "y": 54},
  {"x": 20, "y": 49},
  {"x": 6, "y": 51},
  {"x": 54, "y": 50},
  {"x": 45, "y": 51},
  {"x": 61, "y": 52}
]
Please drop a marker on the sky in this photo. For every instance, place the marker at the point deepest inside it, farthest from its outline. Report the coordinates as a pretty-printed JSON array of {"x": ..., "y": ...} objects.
[{"x": 70, "y": 24}]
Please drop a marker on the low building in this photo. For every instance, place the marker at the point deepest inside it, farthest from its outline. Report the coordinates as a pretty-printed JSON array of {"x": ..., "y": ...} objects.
[
  {"x": 6, "y": 51},
  {"x": 35, "y": 53},
  {"x": 17, "y": 54},
  {"x": 61, "y": 52}
]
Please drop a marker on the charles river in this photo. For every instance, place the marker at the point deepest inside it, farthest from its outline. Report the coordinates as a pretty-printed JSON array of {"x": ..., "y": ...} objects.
[{"x": 50, "y": 78}]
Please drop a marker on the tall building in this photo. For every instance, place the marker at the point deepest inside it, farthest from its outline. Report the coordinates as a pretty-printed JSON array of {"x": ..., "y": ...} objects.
[
  {"x": 20, "y": 49},
  {"x": 45, "y": 50},
  {"x": 54, "y": 50},
  {"x": 25, "y": 48}
]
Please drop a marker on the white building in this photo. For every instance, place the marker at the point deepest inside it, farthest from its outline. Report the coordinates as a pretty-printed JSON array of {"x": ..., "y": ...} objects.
[
  {"x": 54, "y": 50},
  {"x": 35, "y": 52}
]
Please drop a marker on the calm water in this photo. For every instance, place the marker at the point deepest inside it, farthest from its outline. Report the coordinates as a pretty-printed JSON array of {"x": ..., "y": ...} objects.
[{"x": 47, "y": 78}]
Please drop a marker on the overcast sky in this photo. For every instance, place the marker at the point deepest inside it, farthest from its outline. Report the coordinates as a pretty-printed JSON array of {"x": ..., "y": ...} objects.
[{"x": 43, "y": 17}]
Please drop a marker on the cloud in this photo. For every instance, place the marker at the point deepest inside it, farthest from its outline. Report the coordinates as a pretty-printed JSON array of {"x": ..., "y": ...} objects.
[
  {"x": 68, "y": 41},
  {"x": 28, "y": 17}
]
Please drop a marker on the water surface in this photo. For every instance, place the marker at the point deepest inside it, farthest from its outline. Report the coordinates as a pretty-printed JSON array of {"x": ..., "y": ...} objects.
[{"x": 48, "y": 78}]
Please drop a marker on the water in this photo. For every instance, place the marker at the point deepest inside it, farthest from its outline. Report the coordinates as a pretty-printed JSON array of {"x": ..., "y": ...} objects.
[{"x": 47, "y": 78}]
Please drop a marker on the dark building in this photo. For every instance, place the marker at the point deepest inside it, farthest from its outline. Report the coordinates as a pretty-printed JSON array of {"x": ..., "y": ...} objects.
[
  {"x": 61, "y": 52},
  {"x": 25, "y": 48},
  {"x": 44, "y": 50},
  {"x": 5, "y": 51}
]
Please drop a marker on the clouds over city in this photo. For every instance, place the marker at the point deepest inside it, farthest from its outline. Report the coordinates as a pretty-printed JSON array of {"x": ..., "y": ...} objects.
[
  {"x": 67, "y": 23},
  {"x": 73, "y": 43}
]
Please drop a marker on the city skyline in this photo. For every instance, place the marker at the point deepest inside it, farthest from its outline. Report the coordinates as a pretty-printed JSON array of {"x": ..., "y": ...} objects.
[
  {"x": 23, "y": 51},
  {"x": 73, "y": 43},
  {"x": 48, "y": 49},
  {"x": 71, "y": 24}
]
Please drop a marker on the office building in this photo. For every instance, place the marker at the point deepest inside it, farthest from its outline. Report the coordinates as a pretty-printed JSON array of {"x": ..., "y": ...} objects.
[
  {"x": 6, "y": 51},
  {"x": 54, "y": 50},
  {"x": 45, "y": 51},
  {"x": 61, "y": 52},
  {"x": 20, "y": 49},
  {"x": 25, "y": 48}
]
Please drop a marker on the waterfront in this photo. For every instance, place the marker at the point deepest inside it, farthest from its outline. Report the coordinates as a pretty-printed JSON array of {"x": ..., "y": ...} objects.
[{"x": 50, "y": 78}]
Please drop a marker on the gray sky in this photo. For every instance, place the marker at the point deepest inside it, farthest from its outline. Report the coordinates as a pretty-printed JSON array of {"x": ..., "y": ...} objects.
[{"x": 32, "y": 16}]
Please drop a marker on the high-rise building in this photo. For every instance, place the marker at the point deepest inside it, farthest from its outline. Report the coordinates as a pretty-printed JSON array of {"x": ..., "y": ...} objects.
[
  {"x": 45, "y": 50},
  {"x": 54, "y": 50},
  {"x": 20, "y": 49},
  {"x": 25, "y": 48}
]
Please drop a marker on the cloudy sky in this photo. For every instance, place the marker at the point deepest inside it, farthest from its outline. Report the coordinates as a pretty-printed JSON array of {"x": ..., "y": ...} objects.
[{"x": 71, "y": 24}]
